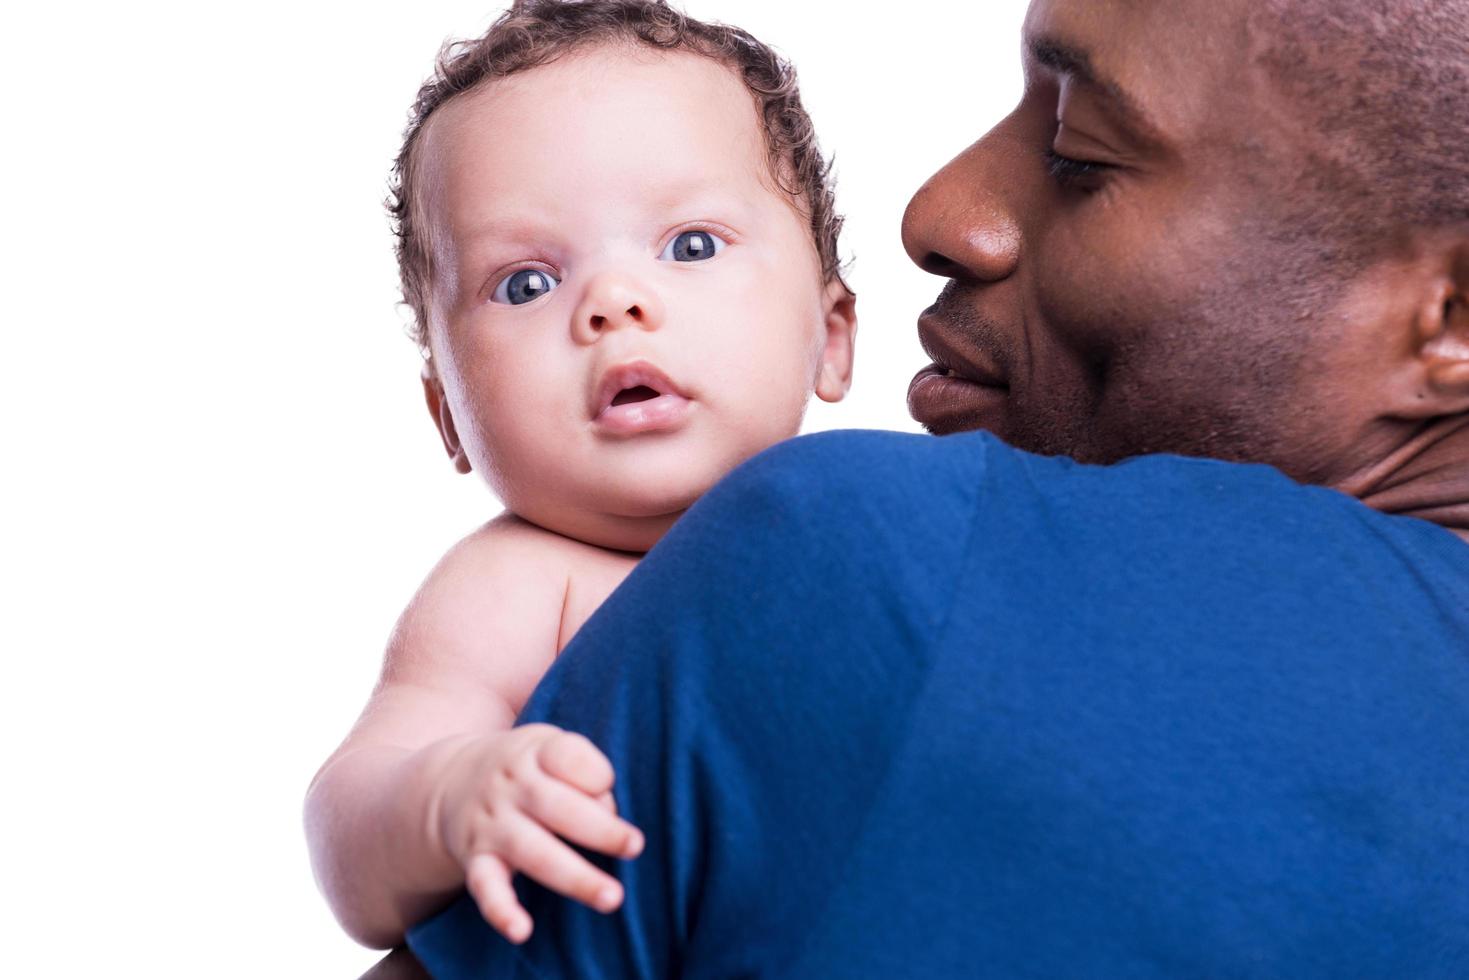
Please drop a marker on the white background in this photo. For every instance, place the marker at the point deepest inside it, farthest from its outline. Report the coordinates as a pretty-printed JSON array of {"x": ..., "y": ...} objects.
[{"x": 220, "y": 483}]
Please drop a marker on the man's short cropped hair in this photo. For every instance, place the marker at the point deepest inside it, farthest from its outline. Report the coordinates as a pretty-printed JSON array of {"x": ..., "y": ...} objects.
[
  {"x": 1388, "y": 80},
  {"x": 535, "y": 32}
]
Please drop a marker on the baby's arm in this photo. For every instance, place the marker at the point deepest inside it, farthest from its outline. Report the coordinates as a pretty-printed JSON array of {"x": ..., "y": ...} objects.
[{"x": 432, "y": 790}]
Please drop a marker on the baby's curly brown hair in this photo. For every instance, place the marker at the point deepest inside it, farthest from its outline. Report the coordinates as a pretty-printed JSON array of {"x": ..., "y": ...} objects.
[{"x": 534, "y": 32}]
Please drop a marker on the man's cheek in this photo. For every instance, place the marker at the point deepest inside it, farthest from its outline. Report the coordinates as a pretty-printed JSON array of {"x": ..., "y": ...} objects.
[{"x": 1096, "y": 293}]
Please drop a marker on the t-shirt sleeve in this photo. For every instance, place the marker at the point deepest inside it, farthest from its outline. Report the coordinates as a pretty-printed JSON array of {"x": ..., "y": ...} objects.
[{"x": 750, "y": 682}]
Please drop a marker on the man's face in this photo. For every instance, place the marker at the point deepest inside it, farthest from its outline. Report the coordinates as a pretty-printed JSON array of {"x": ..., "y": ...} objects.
[{"x": 1123, "y": 278}]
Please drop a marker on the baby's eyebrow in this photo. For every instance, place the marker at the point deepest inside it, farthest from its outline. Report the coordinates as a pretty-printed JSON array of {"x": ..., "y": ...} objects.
[
  {"x": 672, "y": 195},
  {"x": 505, "y": 229},
  {"x": 664, "y": 206},
  {"x": 695, "y": 194}
]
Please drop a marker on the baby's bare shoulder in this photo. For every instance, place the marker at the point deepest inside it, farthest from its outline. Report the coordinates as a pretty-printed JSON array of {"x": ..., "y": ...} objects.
[{"x": 491, "y": 611}]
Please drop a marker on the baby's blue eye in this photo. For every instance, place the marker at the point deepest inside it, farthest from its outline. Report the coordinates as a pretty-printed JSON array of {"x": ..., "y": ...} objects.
[
  {"x": 524, "y": 286},
  {"x": 693, "y": 246}
]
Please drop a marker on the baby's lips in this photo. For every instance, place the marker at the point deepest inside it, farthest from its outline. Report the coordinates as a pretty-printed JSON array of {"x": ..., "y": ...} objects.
[
  {"x": 632, "y": 374},
  {"x": 666, "y": 413}
]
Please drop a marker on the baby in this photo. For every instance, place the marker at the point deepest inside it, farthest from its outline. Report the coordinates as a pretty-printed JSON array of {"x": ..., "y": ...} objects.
[{"x": 617, "y": 238}]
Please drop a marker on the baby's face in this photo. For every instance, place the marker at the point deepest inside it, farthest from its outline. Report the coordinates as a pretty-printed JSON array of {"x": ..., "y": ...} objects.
[{"x": 626, "y": 306}]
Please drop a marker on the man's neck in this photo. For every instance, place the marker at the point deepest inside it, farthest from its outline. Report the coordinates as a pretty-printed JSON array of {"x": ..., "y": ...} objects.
[{"x": 1426, "y": 477}]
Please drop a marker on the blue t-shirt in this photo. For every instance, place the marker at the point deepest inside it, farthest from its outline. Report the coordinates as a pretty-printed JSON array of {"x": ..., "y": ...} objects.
[{"x": 899, "y": 706}]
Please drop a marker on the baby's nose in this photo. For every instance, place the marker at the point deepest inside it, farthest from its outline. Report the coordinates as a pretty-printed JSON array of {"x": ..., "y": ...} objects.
[
  {"x": 633, "y": 313},
  {"x": 613, "y": 301}
]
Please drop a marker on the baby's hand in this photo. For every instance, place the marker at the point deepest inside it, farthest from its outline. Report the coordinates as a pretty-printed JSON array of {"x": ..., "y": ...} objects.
[{"x": 505, "y": 800}]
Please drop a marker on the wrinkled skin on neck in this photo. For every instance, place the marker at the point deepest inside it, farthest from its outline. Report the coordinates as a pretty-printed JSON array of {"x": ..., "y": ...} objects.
[{"x": 1427, "y": 477}]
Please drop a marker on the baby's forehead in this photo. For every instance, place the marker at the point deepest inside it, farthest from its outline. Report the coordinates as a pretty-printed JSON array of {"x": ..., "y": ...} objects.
[{"x": 609, "y": 116}]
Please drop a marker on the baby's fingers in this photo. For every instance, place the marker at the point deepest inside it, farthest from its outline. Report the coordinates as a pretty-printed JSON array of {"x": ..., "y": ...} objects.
[
  {"x": 573, "y": 759},
  {"x": 584, "y": 821},
  {"x": 488, "y": 880},
  {"x": 536, "y": 853}
]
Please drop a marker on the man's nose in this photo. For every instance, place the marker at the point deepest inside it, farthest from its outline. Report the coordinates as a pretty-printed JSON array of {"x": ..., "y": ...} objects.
[
  {"x": 960, "y": 224},
  {"x": 614, "y": 300}
]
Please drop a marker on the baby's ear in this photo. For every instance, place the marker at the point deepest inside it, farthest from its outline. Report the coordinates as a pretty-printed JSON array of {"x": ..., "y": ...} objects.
[
  {"x": 834, "y": 374},
  {"x": 438, "y": 407}
]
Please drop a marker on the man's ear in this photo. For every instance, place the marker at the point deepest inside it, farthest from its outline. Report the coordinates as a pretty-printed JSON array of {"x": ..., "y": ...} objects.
[
  {"x": 1439, "y": 377},
  {"x": 438, "y": 407},
  {"x": 834, "y": 374}
]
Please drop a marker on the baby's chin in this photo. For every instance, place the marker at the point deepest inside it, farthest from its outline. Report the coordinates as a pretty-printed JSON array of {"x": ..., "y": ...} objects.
[
  {"x": 627, "y": 503},
  {"x": 651, "y": 485}
]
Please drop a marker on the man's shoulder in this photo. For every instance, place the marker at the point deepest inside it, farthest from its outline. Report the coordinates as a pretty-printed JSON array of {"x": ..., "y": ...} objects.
[
  {"x": 905, "y": 466},
  {"x": 868, "y": 462},
  {"x": 849, "y": 498},
  {"x": 902, "y": 474},
  {"x": 971, "y": 500}
]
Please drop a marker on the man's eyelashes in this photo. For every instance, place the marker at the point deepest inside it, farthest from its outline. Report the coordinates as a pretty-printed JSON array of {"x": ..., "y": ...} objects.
[{"x": 1073, "y": 173}]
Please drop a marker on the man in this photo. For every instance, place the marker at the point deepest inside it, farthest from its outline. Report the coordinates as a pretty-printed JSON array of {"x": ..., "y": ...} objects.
[{"x": 960, "y": 709}]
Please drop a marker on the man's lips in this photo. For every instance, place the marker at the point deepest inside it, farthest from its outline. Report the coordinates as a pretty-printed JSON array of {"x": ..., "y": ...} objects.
[
  {"x": 637, "y": 397},
  {"x": 944, "y": 403},
  {"x": 962, "y": 389},
  {"x": 953, "y": 348}
]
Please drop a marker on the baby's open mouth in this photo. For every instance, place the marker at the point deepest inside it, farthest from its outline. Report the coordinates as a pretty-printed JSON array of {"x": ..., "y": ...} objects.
[
  {"x": 628, "y": 396},
  {"x": 636, "y": 397}
]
